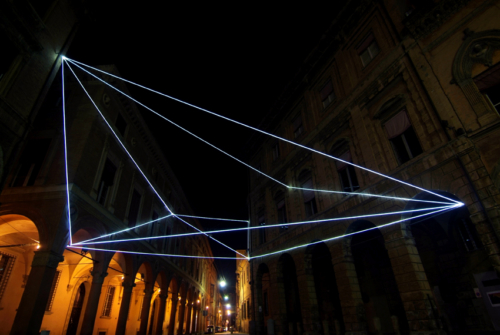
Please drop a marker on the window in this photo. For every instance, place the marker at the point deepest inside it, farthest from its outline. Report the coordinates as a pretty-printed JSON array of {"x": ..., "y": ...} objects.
[
  {"x": 52, "y": 293},
  {"x": 298, "y": 127},
  {"x": 153, "y": 227},
  {"x": 262, "y": 231},
  {"x": 347, "y": 174},
  {"x": 6, "y": 264},
  {"x": 31, "y": 162},
  {"x": 108, "y": 303},
  {"x": 107, "y": 181},
  {"x": 276, "y": 151},
  {"x": 327, "y": 94},
  {"x": 368, "y": 49},
  {"x": 488, "y": 84},
  {"x": 403, "y": 139},
  {"x": 248, "y": 309},
  {"x": 121, "y": 124},
  {"x": 135, "y": 204},
  {"x": 308, "y": 196},
  {"x": 212, "y": 290},
  {"x": 281, "y": 210},
  {"x": 468, "y": 234}
]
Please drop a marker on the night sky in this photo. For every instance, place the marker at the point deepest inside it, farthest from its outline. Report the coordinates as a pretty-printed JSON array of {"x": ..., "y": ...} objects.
[{"x": 234, "y": 60}]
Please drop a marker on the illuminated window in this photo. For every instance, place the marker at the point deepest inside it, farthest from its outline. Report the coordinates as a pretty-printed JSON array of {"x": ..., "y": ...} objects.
[
  {"x": 107, "y": 181},
  {"x": 347, "y": 173},
  {"x": 31, "y": 162},
  {"x": 327, "y": 93},
  {"x": 108, "y": 302},
  {"x": 403, "y": 139},
  {"x": 6, "y": 264},
  {"x": 135, "y": 205},
  {"x": 308, "y": 196},
  {"x": 52, "y": 293},
  {"x": 368, "y": 49}
]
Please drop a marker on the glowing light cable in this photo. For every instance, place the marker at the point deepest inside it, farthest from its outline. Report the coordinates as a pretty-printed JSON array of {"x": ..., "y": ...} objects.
[
  {"x": 209, "y": 218},
  {"x": 135, "y": 163},
  {"x": 251, "y": 167},
  {"x": 152, "y": 253},
  {"x": 66, "y": 151},
  {"x": 268, "y": 226},
  {"x": 266, "y": 133},
  {"x": 353, "y": 233}
]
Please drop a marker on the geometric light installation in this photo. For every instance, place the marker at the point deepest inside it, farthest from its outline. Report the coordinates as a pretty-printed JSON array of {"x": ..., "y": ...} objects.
[{"x": 435, "y": 207}]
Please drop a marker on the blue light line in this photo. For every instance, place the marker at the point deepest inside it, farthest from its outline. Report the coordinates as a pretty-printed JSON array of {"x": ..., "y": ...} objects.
[
  {"x": 66, "y": 150},
  {"x": 209, "y": 218},
  {"x": 150, "y": 253},
  {"x": 270, "y": 226},
  {"x": 137, "y": 165},
  {"x": 269, "y": 134},
  {"x": 127, "y": 229},
  {"x": 353, "y": 233},
  {"x": 249, "y": 166}
]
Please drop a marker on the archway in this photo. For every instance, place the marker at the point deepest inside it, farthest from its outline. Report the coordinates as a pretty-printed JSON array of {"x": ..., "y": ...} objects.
[
  {"x": 289, "y": 300},
  {"x": 451, "y": 253},
  {"x": 379, "y": 291},
  {"x": 327, "y": 294},
  {"x": 262, "y": 291}
]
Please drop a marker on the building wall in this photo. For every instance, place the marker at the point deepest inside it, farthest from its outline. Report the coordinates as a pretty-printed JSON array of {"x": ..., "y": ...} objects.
[
  {"x": 425, "y": 65},
  {"x": 243, "y": 294},
  {"x": 97, "y": 292}
]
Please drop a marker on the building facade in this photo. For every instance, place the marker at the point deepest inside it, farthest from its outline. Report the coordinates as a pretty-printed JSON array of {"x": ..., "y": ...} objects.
[
  {"x": 49, "y": 287},
  {"x": 409, "y": 89},
  {"x": 243, "y": 293},
  {"x": 33, "y": 35}
]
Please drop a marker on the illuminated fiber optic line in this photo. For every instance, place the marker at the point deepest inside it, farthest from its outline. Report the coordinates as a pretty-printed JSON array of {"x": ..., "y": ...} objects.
[
  {"x": 268, "y": 134},
  {"x": 247, "y": 165},
  {"x": 153, "y": 254},
  {"x": 208, "y": 218},
  {"x": 66, "y": 151},
  {"x": 137, "y": 165},
  {"x": 353, "y": 233},
  {"x": 202, "y": 232},
  {"x": 373, "y": 195},
  {"x": 271, "y": 225},
  {"x": 127, "y": 229}
]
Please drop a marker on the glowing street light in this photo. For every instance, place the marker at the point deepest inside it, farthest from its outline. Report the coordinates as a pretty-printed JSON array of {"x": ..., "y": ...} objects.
[
  {"x": 228, "y": 306},
  {"x": 222, "y": 283},
  {"x": 226, "y": 297}
]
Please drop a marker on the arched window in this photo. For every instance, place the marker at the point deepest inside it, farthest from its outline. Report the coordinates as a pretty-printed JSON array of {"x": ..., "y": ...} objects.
[
  {"x": 347, "y": 174},
  {"x": 306, "y": 182}
]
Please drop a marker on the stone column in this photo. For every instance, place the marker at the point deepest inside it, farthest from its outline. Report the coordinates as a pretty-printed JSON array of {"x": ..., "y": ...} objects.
[
  {"x": 413, "y": 286},
  {"x": 161, "y": 313},
  {"x": 146, "y": 305},
  {"x": 182, "y": 309},
  {"x": 92, "y": 302},
  {"x": 188, "y": 319},
  {"x": 31, "y": 309},
  {"x": 193, "y": 319},
  {"x": 307, "y": 293},
  {"x": 121, "y": 326},
  {"x": 353, "y": 309},
  {"x": 171, "y": 325}
]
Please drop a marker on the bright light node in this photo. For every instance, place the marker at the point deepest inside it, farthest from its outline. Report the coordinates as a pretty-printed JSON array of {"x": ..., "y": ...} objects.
[
  {"x": 228, "y": 306},
  {"x": 222, "y": 283},
  {"x": 226, "y": 297}
]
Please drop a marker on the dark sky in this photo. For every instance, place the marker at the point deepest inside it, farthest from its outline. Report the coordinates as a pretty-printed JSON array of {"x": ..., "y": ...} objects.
[{"x": 234, "y": 60}]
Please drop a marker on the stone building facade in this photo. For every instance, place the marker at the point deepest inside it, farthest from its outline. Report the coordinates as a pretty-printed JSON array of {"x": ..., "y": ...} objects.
[
  {"x": 49, "y": 287},
  {"x": 33, "y": 35},
  {"x": 409, "y": 89},
  {"x": 243, "y": 293}
]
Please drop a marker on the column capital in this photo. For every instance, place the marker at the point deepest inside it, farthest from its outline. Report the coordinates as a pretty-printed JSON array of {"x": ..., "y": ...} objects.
[
  {"x": 148, "y": 292},
  {"x": 163, "y": 296},
  {"x": 128, "y": 286},
  {"x": 98, "y": 277},
  {"x": 46, "y": 258}
]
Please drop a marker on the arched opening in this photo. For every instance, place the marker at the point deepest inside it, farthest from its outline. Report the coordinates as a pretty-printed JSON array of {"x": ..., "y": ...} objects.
[
  {"x": 327, "y": 294},
  {"x": 19, "y": 239},
  {"x": 379, "y": 291},
  {"x": 171, "y": 308},
  {"x": 292, "y": 314},
  {"x": 262, "y": 294},
  {"x": 76, "y": 311},
  {"x": 451, "y": 254}
]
